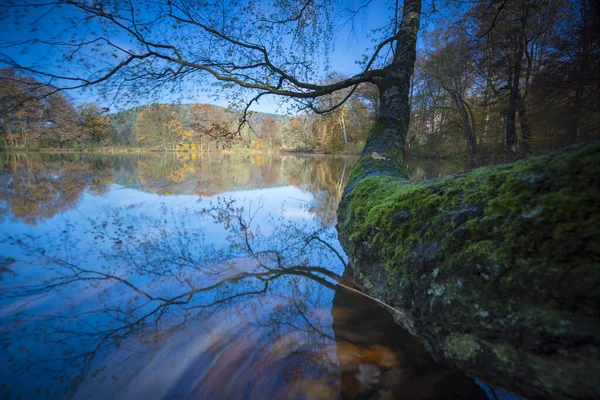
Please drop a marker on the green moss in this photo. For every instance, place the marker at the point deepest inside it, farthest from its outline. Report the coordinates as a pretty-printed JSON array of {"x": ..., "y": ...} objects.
[
  {"x": 377, "y": 126},
  {"x": 505, "y": 254},
  {"x": 462, "y": 347},
  {"x": 367, "y": 166},
  {"x": 505, "y": 353},
  {"x": 386, "y": 214},
  {"x": 528, "y": 228}
]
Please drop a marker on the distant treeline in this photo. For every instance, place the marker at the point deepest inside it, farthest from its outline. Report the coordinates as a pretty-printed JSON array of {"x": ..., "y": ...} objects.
[
  {"x": 204, "y": 127},
  {"x": 34, "y": 116}
]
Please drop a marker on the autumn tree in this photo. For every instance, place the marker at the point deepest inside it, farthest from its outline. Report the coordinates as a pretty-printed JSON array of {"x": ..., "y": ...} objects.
[
  {"x": 199, "y": 46},
  {"x": 63, "y": 127},
  {"x": 350, "y": 122},
  {"x": 270, "y": 132},
  {"x": 158, "y": 125},
  {"x": 450, "y": 67},
  {"x": 95, "y": 123},
  {"x": 297, "y": 133},
  {"x": 32, "y": 113},
  {"x": 177, "y": 134},
  {"x": 21, "y": 112},
  {"x": 532, "y": 107},
  {"x": 210, "y": 124},
  {"x": 151, "y": 126}
]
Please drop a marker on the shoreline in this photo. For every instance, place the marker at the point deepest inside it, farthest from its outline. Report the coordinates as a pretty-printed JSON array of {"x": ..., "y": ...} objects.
[
  {"x": 134, "y": 150},
  {"x": 485, "y": 158}
]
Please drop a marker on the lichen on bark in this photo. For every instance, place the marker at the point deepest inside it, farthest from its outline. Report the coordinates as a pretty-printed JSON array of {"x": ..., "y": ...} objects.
[{"x": 504, "y": 256}]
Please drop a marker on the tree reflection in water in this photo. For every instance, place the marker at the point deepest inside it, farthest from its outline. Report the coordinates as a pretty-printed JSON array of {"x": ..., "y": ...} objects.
[
  {"x": 32, "y": 189},
  {"x": 213, "y": 298}
]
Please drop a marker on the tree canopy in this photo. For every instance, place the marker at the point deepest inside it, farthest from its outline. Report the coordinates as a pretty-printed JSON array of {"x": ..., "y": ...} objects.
[
  {"x": 270, "y": 47},
  {"x": 486, "y": 75}
]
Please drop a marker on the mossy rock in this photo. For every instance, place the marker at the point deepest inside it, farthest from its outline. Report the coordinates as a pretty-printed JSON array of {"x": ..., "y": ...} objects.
[{"x": 495, "y": 270}]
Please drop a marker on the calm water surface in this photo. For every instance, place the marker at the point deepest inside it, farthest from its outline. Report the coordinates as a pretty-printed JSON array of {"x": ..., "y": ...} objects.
[{"x": 187, "y": 276}]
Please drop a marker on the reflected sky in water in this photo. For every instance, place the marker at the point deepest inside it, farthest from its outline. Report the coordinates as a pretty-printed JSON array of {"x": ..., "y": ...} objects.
[{"x": 187, "y": 276}]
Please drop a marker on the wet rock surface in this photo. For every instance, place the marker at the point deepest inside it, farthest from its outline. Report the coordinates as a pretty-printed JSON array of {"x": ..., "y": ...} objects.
[{"x": 381, "y": 360}]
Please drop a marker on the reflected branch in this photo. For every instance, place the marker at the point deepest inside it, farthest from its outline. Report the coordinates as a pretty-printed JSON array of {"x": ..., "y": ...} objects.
[{"x": 155, "y": 276}]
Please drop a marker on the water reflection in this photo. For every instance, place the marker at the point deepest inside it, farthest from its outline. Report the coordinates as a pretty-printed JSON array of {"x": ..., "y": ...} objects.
[
  {"x": 32, "y": 189},
  {"x": 422, "y": 169},
  {"x": 379, "y": 359},
  {"x": 154, "y": 288},
  {"x": 35, "y": 187}
]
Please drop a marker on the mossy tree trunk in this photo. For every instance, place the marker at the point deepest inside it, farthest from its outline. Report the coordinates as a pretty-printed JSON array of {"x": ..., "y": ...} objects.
[
  {"x": 496, "y": 270},
  {"x": 388, "y": 135}
]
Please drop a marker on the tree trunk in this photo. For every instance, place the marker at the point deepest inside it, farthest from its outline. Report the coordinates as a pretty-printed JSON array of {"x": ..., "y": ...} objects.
[
  {"x": 495, "y": 271},
  {"x": 344, "y": 128},
  {"x": 388, "y": 135},
  {"x": 486, "y": 100},
  {"x": 511, "y": 129},
  {"x": 525, "y": 129},
  {"x": 522, "y": 104},
  {"x": 492, "y": 269},
  {"x": 468, "y": 121},
  {"x": 589, "y": 11}
]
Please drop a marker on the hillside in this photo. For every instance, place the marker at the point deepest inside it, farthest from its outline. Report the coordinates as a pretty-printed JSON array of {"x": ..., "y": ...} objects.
[{"x": 123, "y": 122}]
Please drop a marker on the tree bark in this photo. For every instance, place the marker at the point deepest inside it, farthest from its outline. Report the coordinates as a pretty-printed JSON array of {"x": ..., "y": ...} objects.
[
  {"x": 388, "y": 135},
  {"x": 486, "y": 100},
  {"x": 495, "y": 271},
  {"x": 468, "y": 121},
  {"x": 525, "y": 129},
  {"x": 344, "y": 128},
  {"x": 514, "y": 80}
]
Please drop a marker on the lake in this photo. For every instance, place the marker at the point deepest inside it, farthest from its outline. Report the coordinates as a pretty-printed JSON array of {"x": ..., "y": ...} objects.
[{"x": 214, "y": 276}]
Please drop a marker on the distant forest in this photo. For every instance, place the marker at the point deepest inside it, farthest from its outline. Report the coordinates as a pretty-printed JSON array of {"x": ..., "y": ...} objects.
[{"x": 33, "y": 116}]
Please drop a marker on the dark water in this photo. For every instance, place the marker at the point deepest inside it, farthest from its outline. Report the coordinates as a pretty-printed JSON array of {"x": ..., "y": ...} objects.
[{"x": 180, "y": 276}]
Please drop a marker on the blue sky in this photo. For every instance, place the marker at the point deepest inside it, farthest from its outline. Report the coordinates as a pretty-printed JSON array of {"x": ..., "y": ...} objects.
[{"x": 350, "y": 43}]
